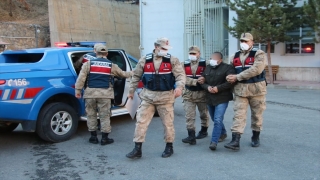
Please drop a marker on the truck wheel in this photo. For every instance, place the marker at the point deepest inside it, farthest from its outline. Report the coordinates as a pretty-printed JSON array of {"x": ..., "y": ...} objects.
[
  {"x": 6, "y": 127},
  {"x": 57, "y": 122}
]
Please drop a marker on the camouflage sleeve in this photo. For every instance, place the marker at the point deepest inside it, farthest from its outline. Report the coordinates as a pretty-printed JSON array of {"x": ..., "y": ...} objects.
[
  {"x": 116, "y": 71},
  {"x": 137, "y": 74},
  {"x": 178, "y": 73},
  {"x": 189, "y": 81},
  {"x": 256, "y": 69},
  {"x": 82, "y": 77},
  {"x": 226, "y": 85}
]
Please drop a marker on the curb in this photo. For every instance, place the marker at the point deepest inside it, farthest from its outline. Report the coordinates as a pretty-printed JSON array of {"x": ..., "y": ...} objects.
[{"x": 272, "y": 86}]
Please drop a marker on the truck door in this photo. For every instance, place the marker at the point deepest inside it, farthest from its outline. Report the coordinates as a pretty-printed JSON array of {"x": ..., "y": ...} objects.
[{"x": 121, "y": 85}]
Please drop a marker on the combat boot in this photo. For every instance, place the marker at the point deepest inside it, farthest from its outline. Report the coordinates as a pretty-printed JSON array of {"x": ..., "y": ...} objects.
[
  {"x": 136, "y": 152},
  {"x": 255, "y": 141},
  {"x": 93, "y": 139},
  {"x": 105, "y": 140},
  {"x": 191, "y": 139},
  {"x": 168, "y": 151},
  {"x": 202, "y": 133},
  {"x": 234, "y": 144}
]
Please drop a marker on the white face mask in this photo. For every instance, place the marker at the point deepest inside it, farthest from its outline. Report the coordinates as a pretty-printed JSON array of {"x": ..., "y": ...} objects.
[
  {"x": 213, "y": 62},
  {"x": 244, "y": 46},
  {"x": 162, "y": 52},
  {"x": 192, "y": 57}
]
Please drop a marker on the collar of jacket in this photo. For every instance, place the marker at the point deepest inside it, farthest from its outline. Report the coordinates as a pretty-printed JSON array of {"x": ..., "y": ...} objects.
[
  {"x": 195, "y": 62},
  {"x": 155, "y": 56}
]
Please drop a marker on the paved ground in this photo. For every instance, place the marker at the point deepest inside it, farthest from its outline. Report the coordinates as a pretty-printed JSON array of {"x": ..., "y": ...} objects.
[
  {"x": 290, "y": 149},
  {"x": 311, "y": 85}
]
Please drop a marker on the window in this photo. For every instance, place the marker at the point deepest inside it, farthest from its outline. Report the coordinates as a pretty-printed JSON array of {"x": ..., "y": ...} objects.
[
  {"x": 76, "y": 59},
  {"x": 22, "y": 58},
  {"x": 301, "y": 41},
  {"x": 117, "y": 59},
  {"x": 133, "y": 63},
  {"x": 264, "y": 46}
]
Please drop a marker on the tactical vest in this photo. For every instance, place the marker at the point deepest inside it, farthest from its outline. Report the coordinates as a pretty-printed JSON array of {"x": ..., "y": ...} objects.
[
  {"x": 247, "y": 64},
  {"x": 88, "y": 57},
  {"x": 161, "y": 81},
  {"x": 100, "y": 73},
  {"x": 200, "y": 69}
]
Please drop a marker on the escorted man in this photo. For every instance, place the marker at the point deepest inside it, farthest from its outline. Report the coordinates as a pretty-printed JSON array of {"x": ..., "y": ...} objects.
[
  {"x": 219, "y": 93},
  {"x": 195, "y": 96},
  {"x": 97, "y": 77},
  {"x": 87, "y": 57},
  {"x": 164, "y": 80},
  {"x": 250, "y": 89}
]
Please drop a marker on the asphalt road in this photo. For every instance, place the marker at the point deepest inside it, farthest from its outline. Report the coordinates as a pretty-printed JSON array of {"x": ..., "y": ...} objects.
[{"x": 290, "y": 149}]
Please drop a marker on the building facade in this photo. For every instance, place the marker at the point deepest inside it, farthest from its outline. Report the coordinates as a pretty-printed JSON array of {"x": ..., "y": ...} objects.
[{"x": 202, "y": 23}]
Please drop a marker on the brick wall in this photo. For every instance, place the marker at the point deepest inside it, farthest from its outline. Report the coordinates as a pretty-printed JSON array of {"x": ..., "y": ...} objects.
[{"x": 23, "y": 36}]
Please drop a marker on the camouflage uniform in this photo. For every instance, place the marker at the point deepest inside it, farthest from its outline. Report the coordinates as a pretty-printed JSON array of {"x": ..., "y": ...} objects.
[
  {"x": 98, "y": 98},
  {"x": 252, "y": 94},
  {"x": 160, "y": 100},
  {"x": 191, "y": 99}
]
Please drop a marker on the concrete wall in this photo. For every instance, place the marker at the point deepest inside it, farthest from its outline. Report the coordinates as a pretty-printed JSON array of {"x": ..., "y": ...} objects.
[
  {"x": 117, "y": 23},
  {"x": 23, "y": 36},
  {"x": 299, "y": 74}
]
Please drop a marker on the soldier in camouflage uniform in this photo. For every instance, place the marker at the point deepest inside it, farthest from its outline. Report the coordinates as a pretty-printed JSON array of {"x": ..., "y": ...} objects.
[
  {"x": 195, "y": 96},
  {"x": 164, "y": 80},
  {"x": 249, "y": 90},
  {"x": 98, "y": 75}
]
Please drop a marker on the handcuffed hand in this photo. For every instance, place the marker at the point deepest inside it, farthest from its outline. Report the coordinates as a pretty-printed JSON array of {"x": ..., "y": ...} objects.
[{"x": 213, "y": 89}]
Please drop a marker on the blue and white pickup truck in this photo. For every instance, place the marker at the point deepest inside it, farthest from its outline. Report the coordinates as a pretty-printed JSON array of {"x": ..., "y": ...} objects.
[{"x": 37, "y": 90}]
